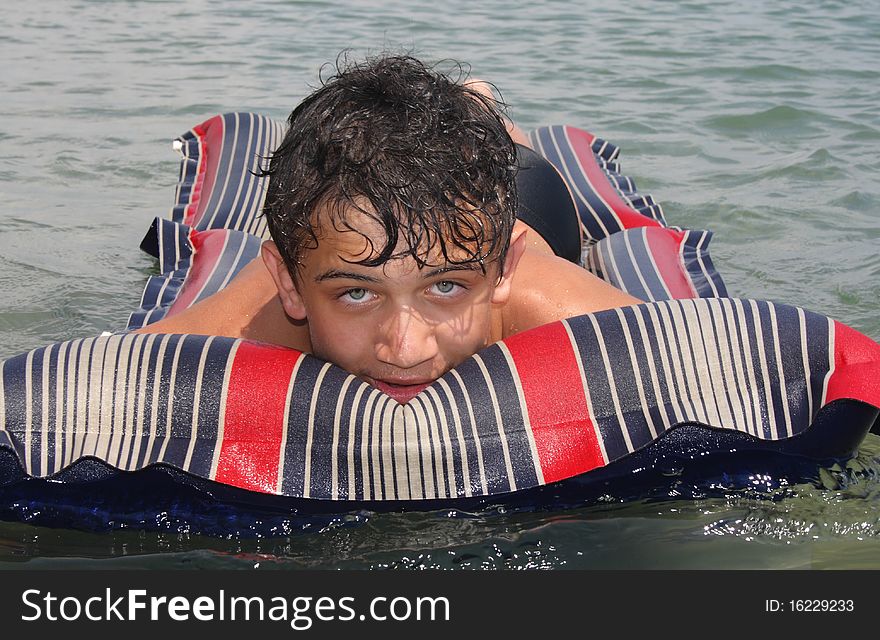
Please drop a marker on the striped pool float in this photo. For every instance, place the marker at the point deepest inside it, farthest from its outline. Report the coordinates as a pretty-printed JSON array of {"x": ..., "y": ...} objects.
[{"x": 585, "y": 398}]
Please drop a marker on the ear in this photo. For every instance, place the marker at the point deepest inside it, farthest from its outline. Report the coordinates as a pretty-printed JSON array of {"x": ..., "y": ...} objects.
[
  {"x": 515, "y": 251},
  {"x": 291, "y": 300}
]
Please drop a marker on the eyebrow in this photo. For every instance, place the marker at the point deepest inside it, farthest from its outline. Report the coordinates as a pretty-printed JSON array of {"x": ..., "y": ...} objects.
[
  {"x": 361, "y": 277},
  {"x": 348, "y": 275}
]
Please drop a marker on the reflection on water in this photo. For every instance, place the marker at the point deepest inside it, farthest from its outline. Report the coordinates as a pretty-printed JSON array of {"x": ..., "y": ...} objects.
[{"x": 828, "y": 523}]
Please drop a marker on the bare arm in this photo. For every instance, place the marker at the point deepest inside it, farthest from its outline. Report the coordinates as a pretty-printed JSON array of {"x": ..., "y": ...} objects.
[
  {"x": 248, "y": 307},
  {"x": 547, "y": 288}
]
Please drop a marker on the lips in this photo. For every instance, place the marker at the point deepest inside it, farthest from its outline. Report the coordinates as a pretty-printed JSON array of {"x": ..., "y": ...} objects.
[{"x": 403, "y": 393}]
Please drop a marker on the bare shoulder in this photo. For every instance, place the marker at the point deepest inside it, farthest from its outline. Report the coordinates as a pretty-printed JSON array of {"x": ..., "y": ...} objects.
[
  {"x": 547, "y": 288},
  {"x": 247, "y": 308}
]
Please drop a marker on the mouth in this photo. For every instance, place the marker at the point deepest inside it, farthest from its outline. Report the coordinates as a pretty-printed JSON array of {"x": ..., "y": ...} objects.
[{"x": 401, "y": 391}]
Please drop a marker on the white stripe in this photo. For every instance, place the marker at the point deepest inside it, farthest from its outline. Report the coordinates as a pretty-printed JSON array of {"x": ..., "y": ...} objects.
[
  {"x": 92, "y": 426},
  {"x": 587, "y": 397},
  {"x": 440, "y": 417},
  {"x": 263, "y": 132},
  {"x": 831, "y": 361},
  {"x": 352, "y": 488},
  {"x": 762, "y": 357},
  {"x": 498, "y": 421},
  {"x": 425, "y": 459},
  {"x": 120, "y": 397},
  {"x": 705, "y": 271},
  {"x": 746, "y": 420},
  {"x": 484, "y": 484},
  {"x": 154, "y": 404},
  {"x": 61, "y": 409},
  {"x": 197, "y": 401},
  {"x": 3, "y": 402},
  {"x": 459, "y": 434},
  {"x": 282, "y": 457},
  {"x": 381, "y": 460},
  {"x": 237, "y": 200},
  {"x": 169, "y": 407},
  {"x": 82, "y": 399},
  {"x": 703, "y": 362},
  {"x": 221, "y": 419},
  {"x": 437, "y": 460},
  {"x": 70, "y": 403},
  {"x": 107, "y": 395},
  {"x": 410, "y": 457},
  {"x": 694, "y": 391},
  {"x": 365, "y": 441},
  {"x": 618, "y": 411},
  {"x": 214, "y": 268},
  {"x": 647, "y": 346},
  {"x": 666, "y": 291},
  {"x": 802, "y": 324},
  {"x": 751, "y": 386},
  {"x": 218, "y": 178},
  {"x": 683, "y": 264},
  {"x": 233, "y": 264},
  {"x": 310, "y": 431},
  {"x": 733, "y": 414},
  {"x": 573, "y": 184},
  {"x": 440, "y": 425},
  {"x": 142, "y": 424},
  {"x": 678, "y": 392},
  {"x": 399, "y": 447},
  {"x": 334, "y": 447},
  {"x": 621, "y": 283},
  {"x": 28, "y": 409},
  {"x": 129, "y": 424},
  {"x": 635, "y": 263},
  {"x": 523, "y": 409},
  {"x": 637, "y": 373},
  {"x": 780, "y": 373},
  {"x": 44, "y": 431}
]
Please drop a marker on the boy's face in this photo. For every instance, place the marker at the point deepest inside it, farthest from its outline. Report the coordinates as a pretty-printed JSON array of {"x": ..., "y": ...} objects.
[{"x": 395, "y": 326}]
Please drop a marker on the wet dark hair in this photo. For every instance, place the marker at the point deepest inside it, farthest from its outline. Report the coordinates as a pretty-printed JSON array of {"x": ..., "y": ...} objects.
[{"x": 426, "y": 157}]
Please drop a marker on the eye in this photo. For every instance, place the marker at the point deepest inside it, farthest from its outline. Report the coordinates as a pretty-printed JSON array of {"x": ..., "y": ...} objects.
[
  {"x": 446, "y": 288},
  {"x": 355, "y": 296}
]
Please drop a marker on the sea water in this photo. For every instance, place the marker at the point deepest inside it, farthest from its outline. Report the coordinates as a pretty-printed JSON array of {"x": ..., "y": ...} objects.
[{"x": 759, "y": 121}]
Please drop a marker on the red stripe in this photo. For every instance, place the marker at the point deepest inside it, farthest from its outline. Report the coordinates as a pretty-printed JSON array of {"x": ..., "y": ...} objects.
[
  {"x": 254, "y": 416},
  {"x": 581, "y": 143},
  {"x": 665, "y": 246},
  {"x": 564, "y": 434},
  {"x": 210, "y": 135},
  {"x": 856, "y": 367},
  {"x": 207, "y": 247}
]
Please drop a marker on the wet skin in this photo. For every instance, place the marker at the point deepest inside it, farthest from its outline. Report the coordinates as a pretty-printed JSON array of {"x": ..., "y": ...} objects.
[{"x": 396, "y": 326}]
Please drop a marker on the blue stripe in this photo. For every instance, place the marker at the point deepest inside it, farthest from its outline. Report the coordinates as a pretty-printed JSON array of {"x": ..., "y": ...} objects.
[
  {"x": 321, "y": 476},
  {"x": 293, "y": 482},
  {"x": 189, "y": 165},
  {"x": 817, "y": 347},
  {"x": 598, "y": 381},
  {"x": 565, "y": 160},
  {"x": 518, "y": 444},
  {"x": 484, "y": 421}
]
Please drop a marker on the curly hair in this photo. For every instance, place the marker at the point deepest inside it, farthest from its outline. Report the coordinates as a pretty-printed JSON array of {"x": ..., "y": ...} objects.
[{"x": 426, "y": 157}]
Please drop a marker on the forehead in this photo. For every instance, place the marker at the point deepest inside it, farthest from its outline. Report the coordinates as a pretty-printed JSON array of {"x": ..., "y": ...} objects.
[{"x": 352, "y": 234}]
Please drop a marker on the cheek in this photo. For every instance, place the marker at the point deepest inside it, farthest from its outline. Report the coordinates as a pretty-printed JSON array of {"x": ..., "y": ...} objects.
[
  {"x": 338, "y": 342},
  {"x": 466, "y": 334}
]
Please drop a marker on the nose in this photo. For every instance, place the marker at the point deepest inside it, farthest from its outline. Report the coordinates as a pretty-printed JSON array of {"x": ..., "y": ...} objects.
[{"x": 406, "y": 340}]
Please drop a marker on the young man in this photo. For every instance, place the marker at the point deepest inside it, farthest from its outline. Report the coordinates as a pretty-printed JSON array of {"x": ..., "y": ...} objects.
[{"x": 409, "y": 231}]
